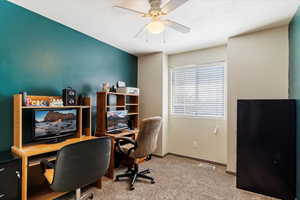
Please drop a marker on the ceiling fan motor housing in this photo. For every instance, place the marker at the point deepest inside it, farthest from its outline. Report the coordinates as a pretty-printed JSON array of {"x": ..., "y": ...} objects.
[{"x": 155, "y": 10}]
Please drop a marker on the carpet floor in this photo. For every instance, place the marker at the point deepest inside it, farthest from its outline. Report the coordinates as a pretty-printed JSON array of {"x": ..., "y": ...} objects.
[{"x": 176, "y": 179}]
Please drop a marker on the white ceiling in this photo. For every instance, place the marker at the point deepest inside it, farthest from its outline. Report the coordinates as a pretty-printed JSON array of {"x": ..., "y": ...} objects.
[{"x": 212, "y": 21}]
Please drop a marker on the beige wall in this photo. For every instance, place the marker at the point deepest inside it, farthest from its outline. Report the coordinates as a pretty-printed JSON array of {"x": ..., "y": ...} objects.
[
  {"x": 165, "y": 99},
  {"x": 257, "y": 68},
  {"x": 195, "y": 137},
  {"x": 152, "y": 79}
]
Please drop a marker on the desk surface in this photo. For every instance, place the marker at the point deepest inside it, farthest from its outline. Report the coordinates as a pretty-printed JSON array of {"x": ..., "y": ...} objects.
[
  {"x": 36, "y": 149},
  {"x": 122, "y": 133}
]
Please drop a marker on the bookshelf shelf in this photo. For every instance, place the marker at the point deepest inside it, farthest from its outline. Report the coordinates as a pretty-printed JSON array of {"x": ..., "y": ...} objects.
[
  {"x": 54, "y": 107},
  {"x": 115, "y": 106},
  {"x": 132, "y": 113}
]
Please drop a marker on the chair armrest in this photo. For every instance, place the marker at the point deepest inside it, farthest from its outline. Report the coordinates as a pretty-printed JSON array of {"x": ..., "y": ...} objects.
[
  {"x": 129, "y": 140},
  {"x": 45, "y": 164}
]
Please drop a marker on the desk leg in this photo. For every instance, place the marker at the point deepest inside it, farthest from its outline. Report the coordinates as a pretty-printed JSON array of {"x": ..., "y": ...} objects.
[
  {"x": 111, "y": 168},
  {"x": 24, "y": 177}
]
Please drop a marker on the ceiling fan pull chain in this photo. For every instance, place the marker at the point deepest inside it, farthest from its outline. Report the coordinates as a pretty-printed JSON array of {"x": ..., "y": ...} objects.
[{"x": 147, "y": 37}]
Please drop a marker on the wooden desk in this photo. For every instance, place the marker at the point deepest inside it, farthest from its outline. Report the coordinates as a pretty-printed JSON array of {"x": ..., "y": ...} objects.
[
  {"x": 125, "y": 133},
  {"x": 37, "y": 149}
]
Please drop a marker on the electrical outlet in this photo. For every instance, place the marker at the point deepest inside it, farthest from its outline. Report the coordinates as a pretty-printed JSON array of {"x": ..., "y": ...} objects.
[
  {"x": 216, "y": 130},
  {"x": 195, "y": 143}
]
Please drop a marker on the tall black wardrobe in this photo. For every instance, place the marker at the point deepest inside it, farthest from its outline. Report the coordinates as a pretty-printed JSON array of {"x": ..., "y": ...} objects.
[{"x": 266, "y": 147}]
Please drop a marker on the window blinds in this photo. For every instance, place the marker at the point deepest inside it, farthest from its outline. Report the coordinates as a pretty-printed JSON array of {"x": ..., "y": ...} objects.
[{"x": 197, "y": 91}]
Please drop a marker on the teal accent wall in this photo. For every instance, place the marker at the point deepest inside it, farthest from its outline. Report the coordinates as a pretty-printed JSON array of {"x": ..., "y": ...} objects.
[
  {"x": 294, "y": 80},
  {"x": 42, "y": 57}
]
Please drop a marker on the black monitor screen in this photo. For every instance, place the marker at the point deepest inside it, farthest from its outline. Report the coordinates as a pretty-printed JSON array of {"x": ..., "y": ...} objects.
[{"x": 54, "y": 122}]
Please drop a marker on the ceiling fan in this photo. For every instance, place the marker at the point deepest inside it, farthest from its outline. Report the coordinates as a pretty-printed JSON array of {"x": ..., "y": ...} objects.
[{"x": 156, "y": 12}]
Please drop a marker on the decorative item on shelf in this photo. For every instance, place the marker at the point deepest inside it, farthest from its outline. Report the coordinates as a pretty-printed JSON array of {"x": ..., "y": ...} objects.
[
  {"x": 24, "y": 98},
  {"x": 44, "y": 103},
  {"x": 36, "y": 101},
  {"x": 121, "y": 84},
  {"x": 113, "y": 88},
  {"x": 69, "y": 97},
  {"x": 28, "y": 101},
  {"x": 56, "y": 102},
  {"x": 105, "y": 87}
]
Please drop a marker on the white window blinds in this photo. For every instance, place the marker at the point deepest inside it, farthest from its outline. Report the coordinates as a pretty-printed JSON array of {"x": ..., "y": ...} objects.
[{"x": 197, "y": 91}]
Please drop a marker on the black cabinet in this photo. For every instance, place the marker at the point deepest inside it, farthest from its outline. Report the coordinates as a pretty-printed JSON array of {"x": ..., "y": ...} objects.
[
  {"x": 266, "y": 147},
  {"x": 10, "y": 176}
]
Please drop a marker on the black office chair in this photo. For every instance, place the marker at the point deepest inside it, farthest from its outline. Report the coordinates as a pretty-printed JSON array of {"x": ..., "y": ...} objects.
[{"x": 78, "y": 165}]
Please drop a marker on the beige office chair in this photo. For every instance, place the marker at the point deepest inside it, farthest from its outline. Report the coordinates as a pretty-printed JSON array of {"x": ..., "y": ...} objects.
[{"x": 144, "y": 146}]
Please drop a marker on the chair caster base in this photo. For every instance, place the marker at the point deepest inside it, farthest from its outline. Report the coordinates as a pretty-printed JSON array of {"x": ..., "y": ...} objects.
[{"x": 133, "y": 175}]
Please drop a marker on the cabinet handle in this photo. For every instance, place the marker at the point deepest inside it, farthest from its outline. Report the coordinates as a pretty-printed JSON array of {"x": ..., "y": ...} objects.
[
  {"x": 18, "y": 174},
  {"x": 2, "y": 170},
  {"x": 2, "y": 195}
]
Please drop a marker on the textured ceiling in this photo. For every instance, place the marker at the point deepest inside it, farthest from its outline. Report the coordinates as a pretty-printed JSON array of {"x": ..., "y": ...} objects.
[{"x": 212, "y": 21}]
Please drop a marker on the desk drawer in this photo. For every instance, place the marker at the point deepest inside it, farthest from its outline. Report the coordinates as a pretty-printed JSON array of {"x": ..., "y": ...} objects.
[{"x": 10, "y": 180}]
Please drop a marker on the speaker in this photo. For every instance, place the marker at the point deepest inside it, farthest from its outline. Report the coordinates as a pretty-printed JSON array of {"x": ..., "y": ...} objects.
[{"x": 69, "y": 97}]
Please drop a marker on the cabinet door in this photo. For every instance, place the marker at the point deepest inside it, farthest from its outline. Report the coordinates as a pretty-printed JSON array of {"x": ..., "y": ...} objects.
[
  {"x": 266, "y": 147},
  {"x": 9, "y": 187}
]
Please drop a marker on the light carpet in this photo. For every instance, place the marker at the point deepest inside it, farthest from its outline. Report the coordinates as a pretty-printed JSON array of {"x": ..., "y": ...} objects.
[{"x": 176, "y": 178}]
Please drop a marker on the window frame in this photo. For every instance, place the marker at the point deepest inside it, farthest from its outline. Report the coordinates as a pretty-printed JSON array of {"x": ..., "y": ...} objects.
[{"x": 171, "y": 69}]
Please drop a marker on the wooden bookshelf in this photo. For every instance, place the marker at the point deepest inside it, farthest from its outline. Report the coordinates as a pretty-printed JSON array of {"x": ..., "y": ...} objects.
[
  {"x": 28, "y": 152},
  {"x": 129, "y": 102}
]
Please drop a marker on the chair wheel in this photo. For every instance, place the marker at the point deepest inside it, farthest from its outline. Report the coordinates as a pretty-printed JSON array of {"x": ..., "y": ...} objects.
[
  {"x": 131, "y": 188},
  {"x": 91, "y": 196},
  {"x": 153, "y": 181}
]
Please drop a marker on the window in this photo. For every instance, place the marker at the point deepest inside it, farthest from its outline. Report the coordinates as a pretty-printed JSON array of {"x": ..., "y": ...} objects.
[{"x": 197, "y": 91}]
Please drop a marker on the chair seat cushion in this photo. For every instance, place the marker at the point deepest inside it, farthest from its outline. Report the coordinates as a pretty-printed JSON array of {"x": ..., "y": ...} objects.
[{"x": 126, "y": 148}]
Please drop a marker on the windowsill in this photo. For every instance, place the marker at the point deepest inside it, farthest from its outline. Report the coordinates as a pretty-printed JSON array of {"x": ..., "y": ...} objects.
[{"x": 196, "y": 117}]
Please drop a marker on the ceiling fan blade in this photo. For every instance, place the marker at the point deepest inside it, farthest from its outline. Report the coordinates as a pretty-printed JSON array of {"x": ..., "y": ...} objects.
[
  {"x": 132, "y": 11},
  {"x": 141, "y": 31},
  {"x": 178, "y": 27},
  {"x": 172, "y": 5}
]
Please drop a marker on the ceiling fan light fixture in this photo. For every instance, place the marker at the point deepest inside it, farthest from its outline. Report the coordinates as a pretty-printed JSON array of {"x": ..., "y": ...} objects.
[{"x": 156, "y": 27}]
